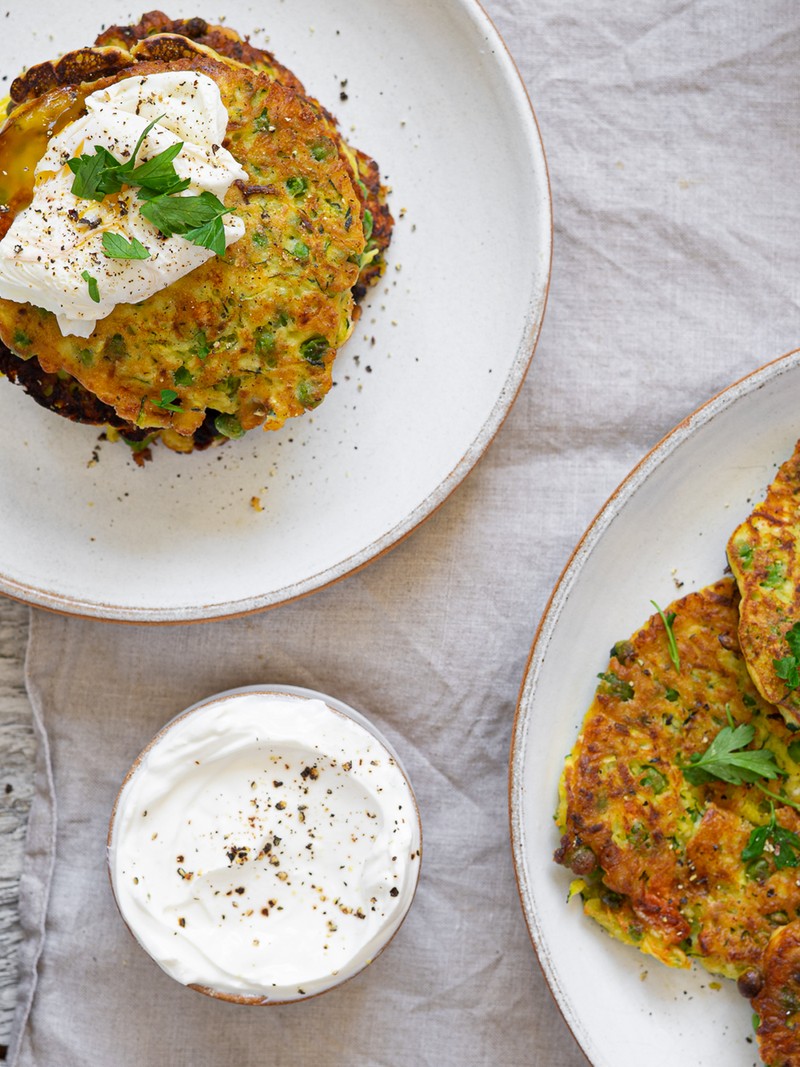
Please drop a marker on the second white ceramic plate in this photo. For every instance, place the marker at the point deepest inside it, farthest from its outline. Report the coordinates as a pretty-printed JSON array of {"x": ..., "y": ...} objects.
[
  {"x": 668, "y": 523},
  {"x": 421, "y": 388}
]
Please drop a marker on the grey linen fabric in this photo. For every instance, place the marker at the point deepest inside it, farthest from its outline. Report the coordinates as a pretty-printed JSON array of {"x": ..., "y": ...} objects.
[{"x": 671, "y": 133}]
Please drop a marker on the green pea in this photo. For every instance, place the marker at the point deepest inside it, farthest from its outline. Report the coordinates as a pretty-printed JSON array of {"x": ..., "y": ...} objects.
[
  {"x": 265, "y": 341},
  {"x": 306, "y": 392},
  {"x": 759, "y": 870},
  {"x": 297, "y": 186},
  {"x": 228, "y": 426},
  {"x": 654, "y": 779},
  {"x": 321, "y": 150},
  {"x": 298, "y": 248},
  {"x": 313, "y": 350}
]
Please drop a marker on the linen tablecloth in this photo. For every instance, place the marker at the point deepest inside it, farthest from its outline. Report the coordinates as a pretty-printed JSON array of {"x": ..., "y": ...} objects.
[{"x": 671, "y": 133}]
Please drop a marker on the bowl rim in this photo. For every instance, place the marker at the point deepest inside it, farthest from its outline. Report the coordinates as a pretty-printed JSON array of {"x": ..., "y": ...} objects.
[
  {"x": 38, "y": 594},
  {"x": 302, "y": 695},
  {"x": 548, "y": 620}
]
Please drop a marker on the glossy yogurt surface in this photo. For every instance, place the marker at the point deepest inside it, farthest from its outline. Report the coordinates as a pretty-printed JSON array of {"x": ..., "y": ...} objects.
[{"x": 265, "y": 847}]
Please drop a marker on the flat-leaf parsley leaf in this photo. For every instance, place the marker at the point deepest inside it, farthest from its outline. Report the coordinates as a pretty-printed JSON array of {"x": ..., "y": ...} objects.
[
  {"x": 728, "y": 759},
  {"x": 788, "y": 668},
  {"x": 167, "y": 401},
  {"x": 785, "y": 844},
  {"x": 197, "y": 218},
  {"x": 101, "y": 174}
]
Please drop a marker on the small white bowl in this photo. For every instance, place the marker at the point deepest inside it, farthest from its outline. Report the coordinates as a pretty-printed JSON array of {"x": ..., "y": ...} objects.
[{"x": 265, "y": 846}]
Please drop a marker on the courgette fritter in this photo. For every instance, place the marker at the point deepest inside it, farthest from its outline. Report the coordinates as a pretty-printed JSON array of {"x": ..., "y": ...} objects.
[
  {"x": 669, "y": 862},
  {"x": 247, "y": 339},
  {"x": 764, "y": 557},
  {"x": 777, "y": 1003}
]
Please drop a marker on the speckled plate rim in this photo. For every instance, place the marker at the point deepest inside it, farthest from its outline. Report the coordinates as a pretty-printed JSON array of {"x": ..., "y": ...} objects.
[
  {"x": 548, "y": 624},
  {"x": 537, "y": 302}
]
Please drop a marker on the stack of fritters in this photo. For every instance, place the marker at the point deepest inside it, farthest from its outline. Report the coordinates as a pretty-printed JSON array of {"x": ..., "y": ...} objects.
[
  {"x": 247, "y": 339},
  {"x": 687, "y": 866}
]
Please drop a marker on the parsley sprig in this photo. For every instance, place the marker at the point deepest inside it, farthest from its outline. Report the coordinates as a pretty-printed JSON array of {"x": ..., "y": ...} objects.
[
  {"x": 167, "y": 401},
  {"x": 788, "y": 667},
  {"x": 668, "y": 618},
  {"x": 196, "y": 218},
  {"x": 94, "y": 288},
  {"x": 728, "y": 759},
  {"x": 785, "y": 845},
  {"x": 99, "y": 175}
]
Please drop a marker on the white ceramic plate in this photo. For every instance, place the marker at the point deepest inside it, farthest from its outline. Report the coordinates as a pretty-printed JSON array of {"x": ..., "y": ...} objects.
[
  {"x": 422, "y": 386},
  {"x": 668, "y": 522}
]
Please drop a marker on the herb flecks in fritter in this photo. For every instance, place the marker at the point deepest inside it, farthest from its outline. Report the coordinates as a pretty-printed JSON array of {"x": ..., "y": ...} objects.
[
  {"x": 678, "y": 808},
  {"x": 250, "y": 337},
  {"x": 777, "y": 1002},
  {"x": 764, "y": 556}
]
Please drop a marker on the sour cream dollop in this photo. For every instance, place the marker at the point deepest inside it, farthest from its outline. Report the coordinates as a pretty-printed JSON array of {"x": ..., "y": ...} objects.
[
  {"x": 265, "y": 847},
  {"x": 57, "y": 240}
]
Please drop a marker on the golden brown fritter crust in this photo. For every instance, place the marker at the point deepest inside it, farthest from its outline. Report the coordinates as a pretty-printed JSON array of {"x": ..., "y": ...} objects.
[
  {"x": 658, "y": 859},
  {"x": 221, "y": 39},
  {"x": 59, "y": 393},
  {"x": 76, "y": 67},
  {"x": 228, "y": 43},
  {"x": 113, "y": 47},
  {"x": 152, "y": 37},
  {"x": 764, "y": 557},
  {"x": 777, "y": 1005}
]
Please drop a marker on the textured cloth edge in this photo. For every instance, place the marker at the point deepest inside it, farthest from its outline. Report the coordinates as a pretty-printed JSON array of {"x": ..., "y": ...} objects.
[{"x": 40, "y": 854}]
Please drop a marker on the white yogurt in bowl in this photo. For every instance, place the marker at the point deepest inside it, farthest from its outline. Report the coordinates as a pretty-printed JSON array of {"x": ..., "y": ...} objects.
[{"x": 265, "y": 846}]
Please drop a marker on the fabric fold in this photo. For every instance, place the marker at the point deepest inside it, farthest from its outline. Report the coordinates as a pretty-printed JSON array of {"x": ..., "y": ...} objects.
[{"x": 40, "y": 854}]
